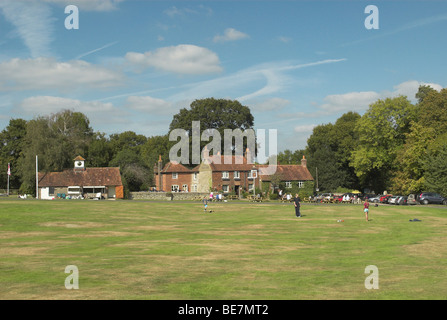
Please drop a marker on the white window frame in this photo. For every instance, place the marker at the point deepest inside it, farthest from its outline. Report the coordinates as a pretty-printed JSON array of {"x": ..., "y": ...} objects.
[
  {"x": 250, "y": 187},
  {"x": 300, "y": 184},
  {"x": 185, "y": 188},
  {"x": 196, "y": 176},
  {"x": 237, "y": 175},
  {"x": 194, "y": 188},
  {"x": 225, "y": 175},
  {"x": 175, "y": 175},
  {"x": 288, "y": 184},
  {"x": 225, "y": 188},
  {"x": 175, "y": 188}
]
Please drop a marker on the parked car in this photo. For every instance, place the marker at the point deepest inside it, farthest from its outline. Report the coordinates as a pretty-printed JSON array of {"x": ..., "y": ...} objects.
[
  {"x": 392, "y": 199},
  {"x": 367, "y": 196},
  {"x": 411, "y": 199},
  {"x": 401, "y": 200},
  {"x": 384, "y": 198},
  {"x": 375, "y": 199},
  {"x": 431, "y": 197}
]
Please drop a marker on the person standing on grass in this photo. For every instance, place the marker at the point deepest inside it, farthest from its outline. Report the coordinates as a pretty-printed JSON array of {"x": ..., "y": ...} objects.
[
  {"x": 205, "y": 203},
  {"x": 366, "y": 208},
  {"x": 297, "y": 204}
]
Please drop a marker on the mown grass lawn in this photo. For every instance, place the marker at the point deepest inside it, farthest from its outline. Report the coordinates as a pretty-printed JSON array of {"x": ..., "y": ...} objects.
[{"x": 173, "y": 250}]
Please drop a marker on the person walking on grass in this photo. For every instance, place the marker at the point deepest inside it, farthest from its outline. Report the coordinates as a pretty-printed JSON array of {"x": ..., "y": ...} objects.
[
  {"x": 297, "y": 204},
  {"x": 366, "y": 208}
]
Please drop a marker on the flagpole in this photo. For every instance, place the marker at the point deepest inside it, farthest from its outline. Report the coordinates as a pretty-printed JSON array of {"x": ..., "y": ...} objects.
[
  {"x": 37, "y": 179},
  {"x": 9, "y": 173}
]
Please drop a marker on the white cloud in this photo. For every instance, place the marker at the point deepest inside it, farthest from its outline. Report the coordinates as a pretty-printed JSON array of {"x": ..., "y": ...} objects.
[
  {"x": 88, "y": 5},
  {"x": 149, "y": 105},
  {"x": 349, "y": 101},
  {"x": 50, "y": 104},
  {"x": 174, "y": 12},
  {"x": 46, "y": 73},
  {"x": 307, "y": 128},
  {"x": 182, "y": 59},
  {"x": 284, "y": 39},
  {"x": 410, "y": 88},
  {"x": 99, "y": 113},
  {"x": 270, "y": 104},
  {"x": 33, "y": 23},
  {"x": 230, "y": 34},
  {"x": 360, "y": 101}
]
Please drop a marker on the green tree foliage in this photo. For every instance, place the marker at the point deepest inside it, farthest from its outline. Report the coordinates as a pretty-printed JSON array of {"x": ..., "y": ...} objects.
[
  {"x": 11, "y": 147},
  {"x": 153, "y": 148},
  {"x": 436, "y": 171},
  {"x": 55, "y": 139},
  {"x": 329, "y": 149},
  {"x": 219, "y": 114},
  {"x": 381, "y": 131},
  {"x": 126, "y": 149},
  {"x": 427, "y": 135}
]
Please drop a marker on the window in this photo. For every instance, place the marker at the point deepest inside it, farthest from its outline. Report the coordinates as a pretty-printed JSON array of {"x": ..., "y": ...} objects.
[
  {"x": 237, "y": 175},
  {"x": 51, "y": 191},
  {"x": 174, "y": 175},
  {"x": 300, "y": 184},
  {"x": 252, "y": 174},
  {"x": 194, "y": 188},
  {"x": 226, "y": 188},
  {"x": 225, "y": 175},
  {"x": 185, "y": 188},
  {"x": 250, "y": 187},
  {"x": 288, "y": 184},
  {"x": 174, "y": 188},
  {"x": 196, "y": 176}
]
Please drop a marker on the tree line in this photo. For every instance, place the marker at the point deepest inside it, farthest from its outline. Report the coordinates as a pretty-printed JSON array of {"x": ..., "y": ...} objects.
[
  {"x": 58, "y": 138},
  {"x": 395, "y": 146}
]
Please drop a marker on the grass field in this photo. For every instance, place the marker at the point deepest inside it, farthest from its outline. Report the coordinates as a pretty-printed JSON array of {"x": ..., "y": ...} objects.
[{"x": 173, "y": 250}]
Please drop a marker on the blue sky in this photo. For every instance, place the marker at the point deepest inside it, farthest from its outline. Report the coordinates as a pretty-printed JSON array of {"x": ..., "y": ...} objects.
[{"x": 132, "y": 64}]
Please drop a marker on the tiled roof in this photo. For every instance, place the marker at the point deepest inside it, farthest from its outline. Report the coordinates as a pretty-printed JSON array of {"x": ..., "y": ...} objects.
[
  {"x": 84, "y": 177},
  {"x": 175, "y": 167},
  {"x": 287, "y": 172}
]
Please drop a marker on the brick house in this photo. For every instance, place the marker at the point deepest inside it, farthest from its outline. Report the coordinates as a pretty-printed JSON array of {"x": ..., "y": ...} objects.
[
  {"x": 81, "y": 181},
  {"x": 226, "y": 174}
]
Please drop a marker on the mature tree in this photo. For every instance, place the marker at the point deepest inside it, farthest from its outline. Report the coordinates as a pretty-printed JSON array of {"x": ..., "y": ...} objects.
[
  {"x": 11, "y": 146},
  {"x": 426, "y": 136},
  {"x": 155, "y": 147},
  {"x": 99, "y": 151},
  {"x": 322, "y": 157},
  {"x": 381, "y": 130},
  {"x": 56, "y": 140},
  {"x": 126, "y": 149},
  {"x": 219, "y": 114},
  {"x": 436, "y": 171},
  {"x": 133, "y": 169}
]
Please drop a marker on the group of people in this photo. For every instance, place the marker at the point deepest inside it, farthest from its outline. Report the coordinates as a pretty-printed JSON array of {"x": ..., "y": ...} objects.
[
  {"x": 218, "y": 197},
  {"x": 296, "y": 203},
  {"x": 284, "y": 196}
]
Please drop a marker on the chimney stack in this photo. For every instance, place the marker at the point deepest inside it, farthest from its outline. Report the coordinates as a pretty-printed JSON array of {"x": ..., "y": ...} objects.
[{"x": 304, "y": 162}]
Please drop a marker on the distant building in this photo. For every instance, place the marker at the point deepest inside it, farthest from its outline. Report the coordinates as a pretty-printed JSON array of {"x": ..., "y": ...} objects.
[
  {"x": 81, "y": 181},
  {"x": 226, "y": 174}
]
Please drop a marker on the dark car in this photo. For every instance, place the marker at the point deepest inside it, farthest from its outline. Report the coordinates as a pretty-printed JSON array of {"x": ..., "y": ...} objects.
[
  {"x": 401, "y": 200},
  {"x": 431, "y": 197}
]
